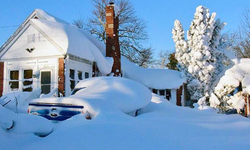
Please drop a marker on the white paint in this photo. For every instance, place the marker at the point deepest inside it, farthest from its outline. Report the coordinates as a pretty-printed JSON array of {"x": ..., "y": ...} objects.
[
  {"x": 173, "y": 96},
  {"x": 42, "y": 46},
  {"x": 50, "y": 64},
  {"x": 76, "y": 66}
]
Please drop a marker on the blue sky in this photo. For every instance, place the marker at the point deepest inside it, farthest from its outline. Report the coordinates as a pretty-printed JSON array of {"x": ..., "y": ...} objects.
[{"x": 158, "y": 14}]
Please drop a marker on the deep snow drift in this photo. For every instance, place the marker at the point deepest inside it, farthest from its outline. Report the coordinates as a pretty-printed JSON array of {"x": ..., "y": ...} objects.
[{"x": 160, "y": 125}]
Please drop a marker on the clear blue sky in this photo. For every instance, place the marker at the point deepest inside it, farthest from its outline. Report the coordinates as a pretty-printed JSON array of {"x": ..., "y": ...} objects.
[{"x": 158, "y": 14}]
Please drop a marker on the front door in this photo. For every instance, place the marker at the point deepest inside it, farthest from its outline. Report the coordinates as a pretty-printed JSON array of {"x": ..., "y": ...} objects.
[{"x": 45, "y": 82}]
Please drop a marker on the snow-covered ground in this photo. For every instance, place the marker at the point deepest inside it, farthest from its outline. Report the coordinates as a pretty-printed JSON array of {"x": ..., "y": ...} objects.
[{"x": 160, "y": 125}]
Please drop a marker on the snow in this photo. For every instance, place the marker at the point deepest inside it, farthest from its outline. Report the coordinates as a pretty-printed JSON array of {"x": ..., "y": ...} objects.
[
  {"x": 238, "y": 73},
  {"x": 232, "y": 78},
  {"x": 46, "y": 16},
  {"x": 160, "y": 125},
  {"x": 19, "y": 100},
  {"x": 72, "y": 40},
  {"x": 152, "y": 78},
  {"x": 24, "y": 123}
]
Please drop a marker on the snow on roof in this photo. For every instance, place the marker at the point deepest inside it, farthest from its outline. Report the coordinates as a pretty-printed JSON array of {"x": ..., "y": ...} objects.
[
  {"x": 72, "y": 40},
  {"x": 46, "y": 16},
  {"x": 238, "y": 73},
  {"x": 153, "y": 78}
]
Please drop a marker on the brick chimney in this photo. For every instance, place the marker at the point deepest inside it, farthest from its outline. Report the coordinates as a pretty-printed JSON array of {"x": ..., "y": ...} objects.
[{"x": 112, "y": 39}]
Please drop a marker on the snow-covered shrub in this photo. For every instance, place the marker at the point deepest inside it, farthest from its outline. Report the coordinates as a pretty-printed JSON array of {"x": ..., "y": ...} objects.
[
  {"x": 200, "y": 57},
  {"x": 236, "y": 80}
]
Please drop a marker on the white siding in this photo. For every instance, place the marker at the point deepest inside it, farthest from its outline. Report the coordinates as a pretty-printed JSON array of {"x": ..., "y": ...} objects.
[
  {"x": 35, "y": 65},
  {"x": 42, "y": 46},
  {"x": 173, "y": 96},
  {"x": 77, "y": 66}
]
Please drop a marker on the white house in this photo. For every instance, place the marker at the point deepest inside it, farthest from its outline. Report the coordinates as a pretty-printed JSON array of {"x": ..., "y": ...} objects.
[{"x": 48, "y": 53}]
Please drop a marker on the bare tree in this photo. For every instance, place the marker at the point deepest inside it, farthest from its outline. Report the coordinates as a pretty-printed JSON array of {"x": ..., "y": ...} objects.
[
  {"x": 241, "y": 39},
  {"x": 132, "y": 32},
  {"x": 162, "y": 60}
]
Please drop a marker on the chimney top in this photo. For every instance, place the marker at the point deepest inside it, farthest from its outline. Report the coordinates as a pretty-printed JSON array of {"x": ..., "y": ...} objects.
[{"x": 111, "y": 3}]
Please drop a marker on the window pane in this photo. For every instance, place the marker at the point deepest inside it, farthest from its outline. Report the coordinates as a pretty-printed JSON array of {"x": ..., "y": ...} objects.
[
  {"x": 27, "y": 82},
  {"x": 162, "y": 92},
  {"x": 72, "y": 74},
  {"x": 27, "y": 74},
  {"x": 72, "y": 84},
  {"x": 14, "y": 85},
  {"x": 168, "y": 94},
  {"x": 86, "y": 75},
  {"x": 45, "y": 89},
  {"x": 28, "y": 89},
  {"x": 80, "y": 75},
  {"x": 154, "y": 91},
  {"x": 14, "y": 75},
  {"x": 45, "y": 77}
]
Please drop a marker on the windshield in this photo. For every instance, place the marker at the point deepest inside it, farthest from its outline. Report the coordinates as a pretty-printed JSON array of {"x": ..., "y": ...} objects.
[{"x": 76, "y": 90}]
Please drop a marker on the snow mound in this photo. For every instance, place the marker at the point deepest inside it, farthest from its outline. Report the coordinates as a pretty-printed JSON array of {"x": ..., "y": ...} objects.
[
  {"x": 106, "y": 95},
  {"x": 18, "y": 101},
  {"x": 123, "y": 94},
  {"x": 24, "y": 123}
]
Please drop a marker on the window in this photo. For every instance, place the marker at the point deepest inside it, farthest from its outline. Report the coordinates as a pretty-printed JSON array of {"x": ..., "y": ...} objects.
[
  {"x": 31, "y": 38},
  {"x": 14, "y": 80},
  {"x": 162, "y": 92},
  {"x": 72, "y": 78},
  {"x": 80, "y": 75},
  {"x": 168, "y": 94},
  {"x": 154, "y": 91},
  {"x": 86, "y": 75},
  {"x": 27, "y": 80}
]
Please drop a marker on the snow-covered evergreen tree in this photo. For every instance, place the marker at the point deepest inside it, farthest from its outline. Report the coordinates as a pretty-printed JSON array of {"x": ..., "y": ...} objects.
[{"x": 200, "y": 57}]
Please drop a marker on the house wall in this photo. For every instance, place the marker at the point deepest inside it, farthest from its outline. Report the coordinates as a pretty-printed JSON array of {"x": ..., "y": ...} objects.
[
  {"x": 76, "y": 66},
  {"x": 28, "y": 39},
  {"x": 37, "y": 66},
  {"x": 1, "y": 77}
]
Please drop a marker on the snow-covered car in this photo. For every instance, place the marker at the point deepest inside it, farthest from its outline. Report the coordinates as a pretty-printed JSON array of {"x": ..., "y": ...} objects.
[
  {"x": 54, "y": 111},
  {"x": 93, "y": 95}
]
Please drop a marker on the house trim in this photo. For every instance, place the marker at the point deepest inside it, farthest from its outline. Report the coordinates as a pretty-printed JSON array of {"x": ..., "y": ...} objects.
[
  {"x": 10, "y": 43},
  {"x": 32, "y": 58},
  {"x": 79, "y": 59}
]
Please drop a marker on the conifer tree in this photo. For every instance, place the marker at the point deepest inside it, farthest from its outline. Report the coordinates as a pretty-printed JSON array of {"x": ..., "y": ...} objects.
[{"x": 200, "y": 56}]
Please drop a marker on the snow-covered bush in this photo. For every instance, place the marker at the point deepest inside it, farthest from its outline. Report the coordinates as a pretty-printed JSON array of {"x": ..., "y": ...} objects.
[
  {"x": 200, "y": 57},
  {"x": 236, "y": 80}
]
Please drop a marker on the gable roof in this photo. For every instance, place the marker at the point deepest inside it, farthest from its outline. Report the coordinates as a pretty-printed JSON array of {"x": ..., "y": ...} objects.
[
  {"x": 68, "y": 38},
  {"x": 38, "y": 14}
]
